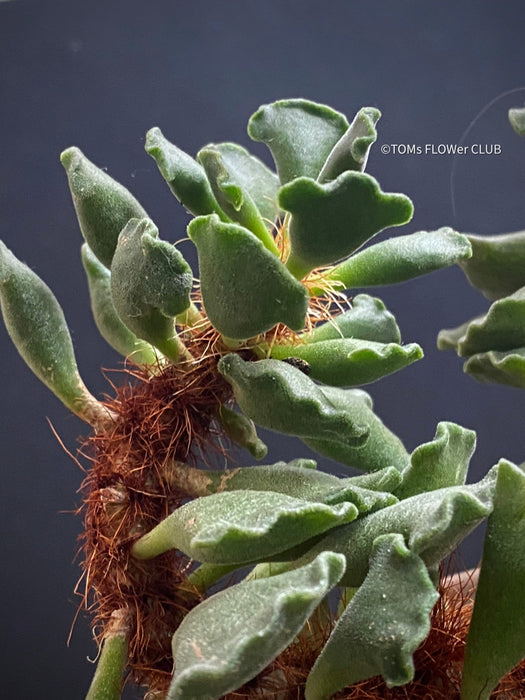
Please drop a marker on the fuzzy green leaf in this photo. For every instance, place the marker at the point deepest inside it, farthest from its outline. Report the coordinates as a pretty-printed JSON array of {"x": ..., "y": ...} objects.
[
  {"x": 300, "y": 134},
  {"x": 350, "y": 362},
  {"x": 280, "y": 397},
  {"x": 330, "y": 221},
  {"x": 233, "y": 168},
  {"x": 352, "y": 149},
  {"x": 230, "y": 637},
  {"x": 108, "y": 322},
  {"x": 497, "y": 265},
  {"x": 382, "y": 626},
  {"x": 238, "y": 527},
  {"x": 449, "y": 338},
  {"x": 306, "y": 484},
  {"x": 242, "y": 431},
  {"x": 35, "y": 322},
  {"x": 246, "y": 290},
  {"x": 185, "y": 177},
  {"x": 103, "y": 205},
  {"x": 517, "y": 120},
  {"x": 383, "y": 449},
  {"x": 432, "y": 525},
  {"x": 402, "y": 258},
  {"x": 496, "y": 638},
  {"x": 494, "y": 366},
  {"x": 368, "y": 319},
  {"x": 440, "y": 463},
  {"x": 150, "y": 284},
  {"x": 502, "y": 327}
]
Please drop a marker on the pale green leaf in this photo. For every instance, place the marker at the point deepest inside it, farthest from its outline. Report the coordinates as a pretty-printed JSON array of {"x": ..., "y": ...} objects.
[
  {"x": 517, "y": 120},
  {"x": 496, "y": 638},
  {"x": 495, "y": 366},
  {"x": 246, "y": 290},
  {"x": 238, "y": 527},
  {"x": 230, "y": 637},
  {"x": 381, "y": 627},
  {"x": 300, "y": 134}
]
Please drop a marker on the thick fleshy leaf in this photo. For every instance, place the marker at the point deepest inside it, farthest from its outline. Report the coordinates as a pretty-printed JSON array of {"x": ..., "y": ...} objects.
[
  {"x": 230, "y": 637},
  {"x": 246, "y": 290},
  {"x": 243, "y": 170},
  {"x": 383, "y": 449},
  {"x": 368, "y": 319},
  {"x": 306, "y": 484},
  {"x": 35, "y": 322},
  {"x": 502, "y": 327},
  {"x": 432, "y": 525},
  {"x": 185, "y": 177},
  {"x": 440, "y": 463},
  {"x": 497, "y": 265},
  {"x": 517, "y": 119},
  {"x": 108, "y": 322},
  {"x": 402, "y": 258},
  {"x": 230, "y": 168},
  {"x": 350, "y": 362},
  {"x": 330, "y": 221},
  {"x": 386, "y": 479},
  {"x": 150, "y": 284},
  {"x": 503, "y": 367},
  {"x": 381, "y": 627},
  {"x": 351, "y": 151},
  {"x": 103, "y": 205},
  {"x": 449, "y": 338},
  {"x": 238, "y": 527},
  {"x": 242, "y": 431},
  {"x": 300, "y": 134},
  {"x": 496, "y": 638},
  {"x": 280, "y": 397}
]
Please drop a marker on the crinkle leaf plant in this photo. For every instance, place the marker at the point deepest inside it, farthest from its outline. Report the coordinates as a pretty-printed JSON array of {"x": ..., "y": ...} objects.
[{"x": 205, "y": 580}]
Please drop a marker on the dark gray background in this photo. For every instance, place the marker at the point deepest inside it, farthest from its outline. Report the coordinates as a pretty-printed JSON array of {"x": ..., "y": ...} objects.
[{"x": 98, "y": 74}]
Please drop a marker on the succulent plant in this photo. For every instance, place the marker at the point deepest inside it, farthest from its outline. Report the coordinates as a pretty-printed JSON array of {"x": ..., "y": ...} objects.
[{"x": 200, "y": 578}]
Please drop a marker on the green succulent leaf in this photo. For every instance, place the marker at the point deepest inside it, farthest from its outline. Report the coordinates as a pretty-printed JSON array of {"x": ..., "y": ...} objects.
[
  {"x": 497, "y": 265},
  {"x": 108, "y": 322},
  {"x": 382, "y": 449},
  {"x": 103, "y": 206},
  {"x": 402, "y": 258},
  {"x": 495, "y": 366},
  {"x": 352, "y": 149},
  {"x": 238, "y": 527},
  {"x": 185, "y": 177},
  {"x": 306, "y": 484},
  {"x": 280, "y": 397},
  {"x": 150, "y": 284},
  {"x": 300, "y": 134},
  {"x": 368, "y": 319},
  {"x": 230, "y": 637},
  {"x": 243, "y": 182},
  {"x": 382, "y": 626},
  {"x": 330, "y": 221},
  {"x": 346, "y": 362},
  {"x": 35, "y": 322},
  {"x": 502, "y": 327},
  {"x": 385, "y": 479},
  {"x": 496, "y": 638},
  {"x": 246, "y": 290},
  {"x": 440, "y": 463},
  {"x": 431, "y": 523},
  {"x": 449, "y": 338},
  {"x": 242, "y": 431},
  {"x": 517, "y": 120}
]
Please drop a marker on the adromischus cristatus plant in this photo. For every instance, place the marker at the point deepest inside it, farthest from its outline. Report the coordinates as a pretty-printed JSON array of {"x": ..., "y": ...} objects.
[{"x": 199, "y": 578}]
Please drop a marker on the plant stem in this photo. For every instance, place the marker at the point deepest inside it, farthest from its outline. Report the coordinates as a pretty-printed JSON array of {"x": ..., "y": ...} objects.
[{"x": 107, "y": 681}]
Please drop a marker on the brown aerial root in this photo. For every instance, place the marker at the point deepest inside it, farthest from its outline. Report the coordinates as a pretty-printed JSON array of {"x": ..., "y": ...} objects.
[
  {"x": 163, "y": 415},
  {"x": 438, "y": 661}
]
